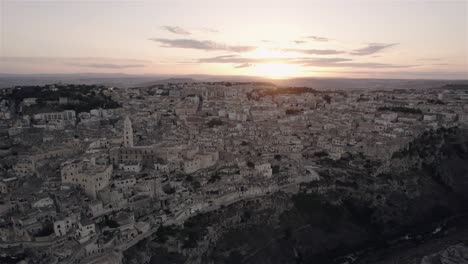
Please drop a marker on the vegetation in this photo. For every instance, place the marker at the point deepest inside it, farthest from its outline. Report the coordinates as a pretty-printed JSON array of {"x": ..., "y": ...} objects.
[
  {"x": 164, "y": 232},
  {"x": 195, "y": 228},
  {"x": 81, "y": 98},
  {"x": 214, "y": 178},
  {"x": 196, "y": 185},
  {"x": 111, "y": 223},
  {"x": 168, "y": 189},
  {"x": 327, "y": 98},
  {"x": 435, "y": 101},
  {"x": 400, "y": 109},
  {"x": 426, "y": 144},
  {"x": 214, "y": 122},
  {"x": 317, "y": 212},
  {"x": 321, "y": 154},
  {"x": 288, "y": 90},
  {"x": 48, "y": 229},
  {"x": 275, "y": 169},
  {"x": 293, "y": 111}
]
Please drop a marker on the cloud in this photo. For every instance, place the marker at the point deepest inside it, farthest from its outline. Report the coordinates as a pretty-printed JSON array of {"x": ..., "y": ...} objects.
[
  {"x": 306, "y": 62},
  {"x": 321, "y": 62},
  {"x": 347, "y": 63},
  {"x": 200, "y": 45},
  {"x": 430, "y": 59},
  {"x": 371, "y": 49},
  {"x": 417, "y": 75},
  {"x": 87, "y": 62},
  {"x": 176, "y": 30},
  {"x": 243, "y": 65},
  {"x": 235, "y": 59},
  {"x": 440, "y": 64},
  {"x": 299, "y": 41},
  {"x": 209, "y": 30},
  {"x": 371, "y": 65},
  {"x": 109, "y": 66},
  {"x": 317, "y": 38},
  {"x": 316, "y": 51}
]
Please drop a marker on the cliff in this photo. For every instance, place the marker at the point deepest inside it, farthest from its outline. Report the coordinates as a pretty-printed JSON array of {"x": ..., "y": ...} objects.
[{"x": 367, "y": 210}]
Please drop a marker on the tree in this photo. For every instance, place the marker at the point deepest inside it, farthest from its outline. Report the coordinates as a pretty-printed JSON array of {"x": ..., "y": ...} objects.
[
  {"x": 321, "y": 154},
  {"x": 292, "y": 111},
  {"x": 327, "y": 98},
  {"x": 214, "y": 122},
  {"x": 275, "y": 169},
  {"x": 168, "y": 189}
]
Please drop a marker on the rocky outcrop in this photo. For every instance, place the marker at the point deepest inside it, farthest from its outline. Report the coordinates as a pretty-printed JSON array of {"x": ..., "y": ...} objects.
[
  {"x": 422, "y": 184},
  {"x": 452, "y": 255}
]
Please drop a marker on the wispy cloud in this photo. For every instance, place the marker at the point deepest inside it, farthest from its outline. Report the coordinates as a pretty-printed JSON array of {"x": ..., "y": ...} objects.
[
  {"x": 371, "y": 65},
  {"x": 316, "y": 51},
  {"x": 200, "y": 45},
  {"x": 108, "y": 65},
  {"x": 209, "y": 30},
  {"x": 318, "y": 38},
  {"x": 85, "y": 62},
  {"x": 235, "y": 59},
  {"x": 347, "y": 63},
  {"x": 300, "y": 41},
  {"x": 372, "y": 48},
  {"x": 320, "y": 62},
  {"x": 243, "y": 65},
  {"x": 176, "y": 30},
  {"x": 305, "y": 62},
  {"x": 436, "y": 75},
  {"x": 429, "y": 59},
  {"x": 440, "y": 64}
]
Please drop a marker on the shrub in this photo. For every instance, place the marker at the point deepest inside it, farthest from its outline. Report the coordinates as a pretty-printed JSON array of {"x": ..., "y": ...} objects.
[{"x": 214, "y": 122}]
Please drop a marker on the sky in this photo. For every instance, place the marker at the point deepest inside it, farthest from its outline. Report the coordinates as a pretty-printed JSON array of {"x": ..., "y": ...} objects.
[{"x": 279, "y": 39}]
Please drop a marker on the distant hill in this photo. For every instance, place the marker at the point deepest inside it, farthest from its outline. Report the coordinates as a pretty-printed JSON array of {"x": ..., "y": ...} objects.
[
  {"x": 169, "y": 80},
  {"x": 125, "y": 80}
]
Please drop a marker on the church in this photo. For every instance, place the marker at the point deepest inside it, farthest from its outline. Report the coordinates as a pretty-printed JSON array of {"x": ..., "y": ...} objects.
[
  {"x": 130, "y": 154},
  {"x": 181, "y": 157}
]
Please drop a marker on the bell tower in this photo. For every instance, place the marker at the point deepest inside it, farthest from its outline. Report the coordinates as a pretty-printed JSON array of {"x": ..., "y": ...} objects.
[{"x": 128, "y": 133}]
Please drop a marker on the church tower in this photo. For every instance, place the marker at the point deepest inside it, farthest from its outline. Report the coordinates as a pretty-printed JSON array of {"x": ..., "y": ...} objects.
[{"x": 128, "y": 133}]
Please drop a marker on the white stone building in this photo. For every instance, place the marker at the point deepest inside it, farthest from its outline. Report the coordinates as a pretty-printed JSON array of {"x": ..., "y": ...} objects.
[{"x": 88, "y": 176}]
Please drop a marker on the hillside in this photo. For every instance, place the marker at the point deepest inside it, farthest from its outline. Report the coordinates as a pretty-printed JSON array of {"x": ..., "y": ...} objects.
[{"x": 411, "y": 195}]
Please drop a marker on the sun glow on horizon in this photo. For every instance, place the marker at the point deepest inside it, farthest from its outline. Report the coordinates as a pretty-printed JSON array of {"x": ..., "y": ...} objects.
[
  {"x": 263, "y": 53},
  {"x": 272, "y": 65},
  {"x": 276, "y": 70}
]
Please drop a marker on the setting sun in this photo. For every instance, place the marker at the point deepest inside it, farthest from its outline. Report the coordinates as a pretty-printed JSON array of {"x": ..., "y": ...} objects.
[{"x": 276, "y": 70}]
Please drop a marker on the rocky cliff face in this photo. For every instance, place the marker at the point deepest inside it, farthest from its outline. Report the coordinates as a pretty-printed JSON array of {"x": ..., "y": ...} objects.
[
  {"x": 427, "y": 178},
  {"x": 423, "y": 184},
  {"x": 453, "y": 254}
]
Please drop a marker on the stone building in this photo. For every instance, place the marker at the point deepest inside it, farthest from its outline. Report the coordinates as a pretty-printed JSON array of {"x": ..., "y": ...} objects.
[{"x": 87, "y": 175}]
